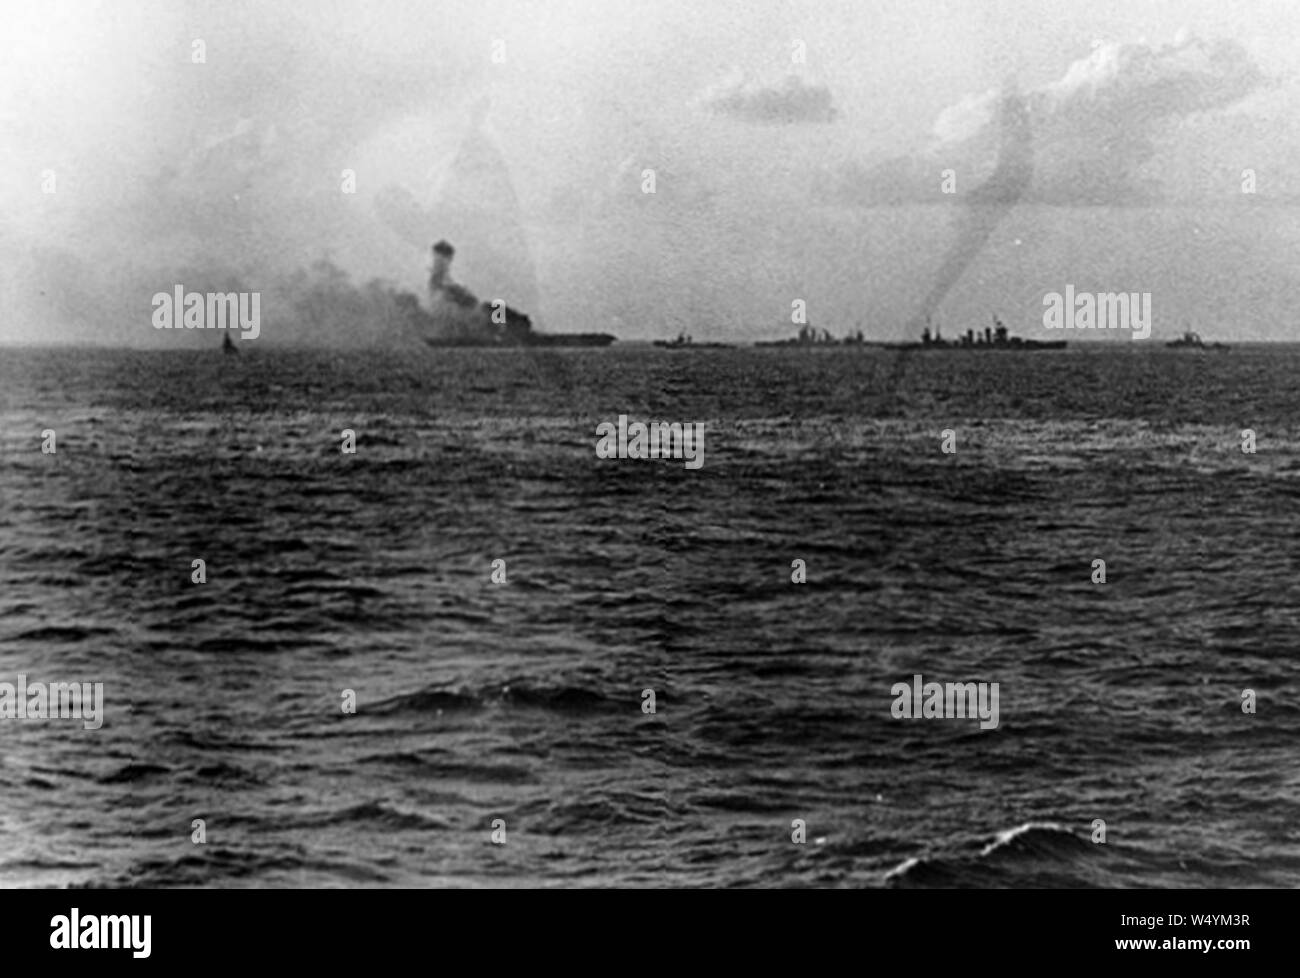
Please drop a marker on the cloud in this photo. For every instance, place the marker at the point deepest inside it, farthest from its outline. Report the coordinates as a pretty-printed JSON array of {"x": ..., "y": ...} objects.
[
  {"x": 1096, "y": 131},
  {"x": 684, "y": 192},
  {"x": 789, "y": 103}
]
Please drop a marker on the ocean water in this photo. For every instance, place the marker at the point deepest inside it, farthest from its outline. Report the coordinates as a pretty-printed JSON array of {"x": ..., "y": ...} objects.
[{"x": 522, "y": 701}]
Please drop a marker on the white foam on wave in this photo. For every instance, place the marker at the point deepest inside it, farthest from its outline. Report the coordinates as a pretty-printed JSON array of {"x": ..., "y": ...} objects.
[{"x": 1003, "y": 838}]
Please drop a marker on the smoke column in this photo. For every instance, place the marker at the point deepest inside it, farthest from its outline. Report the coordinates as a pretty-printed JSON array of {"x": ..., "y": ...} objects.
[
  {"x": 478, "y": 211},
  {"x": 988, "y": 204},
  {"x": 984, "y": 209}
]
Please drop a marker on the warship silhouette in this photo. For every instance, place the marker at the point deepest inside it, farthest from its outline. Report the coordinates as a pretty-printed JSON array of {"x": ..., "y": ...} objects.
[
  {"x": 685, "y": 341},
  {"x": 812, "y": 336},
  {"x": 456, "y": 317},
  {"x": 992, "y": 338},
  {"x": 995, "y": 337},
  {"x": 1193, "y": 341}
]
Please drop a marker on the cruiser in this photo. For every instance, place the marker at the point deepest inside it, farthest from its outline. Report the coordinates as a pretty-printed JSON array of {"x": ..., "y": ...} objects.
[
  {"x": 812, "y": 336},
  {"x": 993, "y": 338}
]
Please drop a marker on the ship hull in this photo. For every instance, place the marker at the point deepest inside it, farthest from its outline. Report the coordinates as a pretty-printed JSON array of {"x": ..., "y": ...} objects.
[
  {"x": 455, "y": 318},
  {"x": 982, "y": 347},
  {"x": 818, "y": 344},
  {"x": 532, "y": 340},
  {"x": 674, "y": 345},
  {"x": 449, "y": 327},
  {"x": 1033, "y": 345}
]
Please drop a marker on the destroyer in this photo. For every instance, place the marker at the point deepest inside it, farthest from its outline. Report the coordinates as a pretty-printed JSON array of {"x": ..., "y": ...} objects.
[
  {"x": 1193, "y": 341},
  {"x": 687, "y": 342}
]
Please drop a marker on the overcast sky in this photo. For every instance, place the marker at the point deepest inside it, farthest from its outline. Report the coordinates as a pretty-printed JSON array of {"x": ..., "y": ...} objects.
[{"x": 776, "y": 178}]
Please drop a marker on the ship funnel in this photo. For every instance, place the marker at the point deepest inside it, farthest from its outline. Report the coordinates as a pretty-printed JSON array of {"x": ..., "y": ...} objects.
[{"x": 441, "y": 274}]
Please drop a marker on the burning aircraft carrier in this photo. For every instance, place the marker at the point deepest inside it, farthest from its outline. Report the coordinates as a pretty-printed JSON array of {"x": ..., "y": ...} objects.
[{"x": 456, "y": 317}]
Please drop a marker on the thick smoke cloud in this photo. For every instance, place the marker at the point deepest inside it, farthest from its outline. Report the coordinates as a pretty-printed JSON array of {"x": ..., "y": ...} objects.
[{"x": 202, "y": 172}]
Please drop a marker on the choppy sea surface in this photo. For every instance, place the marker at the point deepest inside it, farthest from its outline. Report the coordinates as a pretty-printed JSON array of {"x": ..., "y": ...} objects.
[{"x": 522, "y": 701}]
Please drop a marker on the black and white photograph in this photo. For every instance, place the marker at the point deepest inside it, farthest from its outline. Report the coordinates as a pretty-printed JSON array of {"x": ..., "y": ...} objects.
[{"x": 621, "y": 445}]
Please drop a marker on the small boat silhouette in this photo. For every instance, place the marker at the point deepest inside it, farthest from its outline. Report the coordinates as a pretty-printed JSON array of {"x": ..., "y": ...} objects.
[{"x": 1190, "y": 340}]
